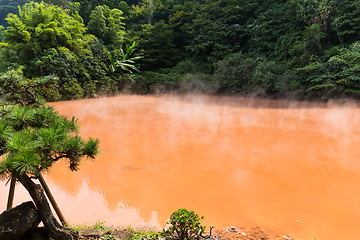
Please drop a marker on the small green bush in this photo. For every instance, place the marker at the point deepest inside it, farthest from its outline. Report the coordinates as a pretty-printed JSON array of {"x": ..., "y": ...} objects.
[{"x": 185, "y": 225}]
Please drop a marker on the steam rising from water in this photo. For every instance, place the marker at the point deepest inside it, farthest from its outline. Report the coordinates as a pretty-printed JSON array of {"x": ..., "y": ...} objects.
[{"x": 237, "y": 161}]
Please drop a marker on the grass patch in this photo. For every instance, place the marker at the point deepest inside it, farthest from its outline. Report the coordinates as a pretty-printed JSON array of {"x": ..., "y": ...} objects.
[
  {"x": 144, "y": 233},
  {"x": 99, "y": 226}
]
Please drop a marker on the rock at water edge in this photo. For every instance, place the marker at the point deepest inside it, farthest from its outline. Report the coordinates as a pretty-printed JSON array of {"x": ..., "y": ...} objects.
[{"x": 14, "y": 223}]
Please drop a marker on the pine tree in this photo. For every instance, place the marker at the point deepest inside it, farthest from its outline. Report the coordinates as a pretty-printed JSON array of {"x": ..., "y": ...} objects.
[{"x": 32, "y": 137}]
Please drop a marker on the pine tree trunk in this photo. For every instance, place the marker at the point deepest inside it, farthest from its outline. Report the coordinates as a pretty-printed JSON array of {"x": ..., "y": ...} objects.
[{"x": 54, "y": 229}]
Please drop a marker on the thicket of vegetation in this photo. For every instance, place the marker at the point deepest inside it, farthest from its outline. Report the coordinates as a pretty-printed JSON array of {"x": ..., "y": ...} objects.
[{"x": 290, "y": 48}]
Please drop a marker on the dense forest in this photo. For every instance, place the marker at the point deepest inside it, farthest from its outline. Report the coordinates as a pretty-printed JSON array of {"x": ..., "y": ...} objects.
[{"x": 298, "y": 49}]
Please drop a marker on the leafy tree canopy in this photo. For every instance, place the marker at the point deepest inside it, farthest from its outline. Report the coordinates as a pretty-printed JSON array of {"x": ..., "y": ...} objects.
[
  {"x": 106, "y": 24},
  {"x": 40, "y": 26},
  {"x": 9, "y": 6},
  {"x": 288, "y": 34},
  {"x": 46, "y": 40}
]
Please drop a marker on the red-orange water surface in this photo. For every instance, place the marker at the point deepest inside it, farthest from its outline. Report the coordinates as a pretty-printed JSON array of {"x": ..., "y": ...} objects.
[{"x": 290, "y": 167}]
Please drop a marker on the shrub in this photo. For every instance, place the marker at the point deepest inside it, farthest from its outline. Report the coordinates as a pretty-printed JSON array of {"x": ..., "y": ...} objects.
[
  {"x": 199, "y": 83},
  {"x": 234, "y": 73},
  {"x": 153, "y": 82},
  {"x": 185, "y": 225},
  {"x": 72, "y": 90},
  {"x": 338, "y": 76}
]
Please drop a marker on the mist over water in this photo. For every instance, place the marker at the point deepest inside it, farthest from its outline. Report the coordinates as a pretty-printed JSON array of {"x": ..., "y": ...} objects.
[{"x": 239, "y": 162}]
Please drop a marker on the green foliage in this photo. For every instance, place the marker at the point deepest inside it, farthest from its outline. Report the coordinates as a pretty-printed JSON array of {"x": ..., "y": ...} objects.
[
  {"x": 346, "y": 21},
  {"x": 286, "y": 46},
  {"x": 110, "y": 63},
  {"x": 124, "y": 7},
  {"x": 273, "y": 33},
  {"x": 100, "y": 226},
  {"x": 115, "y": 67},
  {"x": 234, "y": 74},
  {"x": 60, "y": 62},
  {"x": 39, "y": 27},
  {"x": 156, "y": 44},
  {"x": 46, "y": 41},
  {"x": 185, "y": 225},
  {"x": 72, "y": 90},
  {"x": 24, "y": 90},
  {"x": 144, "y": 234},
  {"x": 87, "y": 6},
  {"x": 339, "y": 76},
  {"x": 106, "y": 24},
  {"x": 183, "y": 67},
  {"x": 139, "y": 236},
  {"x": 149, "y": 11},
  {"x": 199, "y": 83},
  {"x": 7, "y": 6},
  {"x": 240, "y": 74},
  {"x": 217, "y": 29},
  {"x": 125, "y": 63},
  {"x": 72, "y": 8},
  {"x": 183, "y": 78},
  {"x": 33, "y": 135},
  {"x": 153, "y": 82}
]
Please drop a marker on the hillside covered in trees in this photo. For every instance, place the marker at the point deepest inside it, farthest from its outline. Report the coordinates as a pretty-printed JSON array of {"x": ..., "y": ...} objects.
[{"x": 300, "y": 49}]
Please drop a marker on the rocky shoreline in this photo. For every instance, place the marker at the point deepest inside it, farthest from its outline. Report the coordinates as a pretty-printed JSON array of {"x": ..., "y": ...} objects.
[{"x": 22, "y": 221}]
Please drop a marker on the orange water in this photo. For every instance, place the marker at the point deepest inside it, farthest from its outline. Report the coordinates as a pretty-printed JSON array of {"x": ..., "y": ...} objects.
[{"x": 289, "y": 167}]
